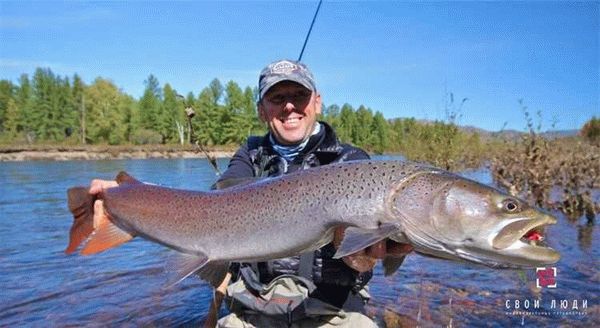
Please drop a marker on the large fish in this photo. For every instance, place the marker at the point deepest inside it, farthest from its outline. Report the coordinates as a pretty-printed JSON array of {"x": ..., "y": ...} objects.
[{"x": 439, "y": 213}]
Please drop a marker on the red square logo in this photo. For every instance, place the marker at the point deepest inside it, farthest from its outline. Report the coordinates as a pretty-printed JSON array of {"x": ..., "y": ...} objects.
[{"x": 546, "y": 277}]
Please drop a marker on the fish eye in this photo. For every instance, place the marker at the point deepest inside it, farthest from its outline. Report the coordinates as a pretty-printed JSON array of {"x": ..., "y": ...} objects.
[{"x": 510, "y": 205}]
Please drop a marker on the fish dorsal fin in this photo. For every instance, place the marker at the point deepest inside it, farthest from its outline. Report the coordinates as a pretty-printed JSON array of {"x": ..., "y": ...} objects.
[
  {"x": 124, "y": 178},
  {"x": 222, "y": 184},
  {"x": 356, "y": 239},
  {"x": 106, "y": 234}
]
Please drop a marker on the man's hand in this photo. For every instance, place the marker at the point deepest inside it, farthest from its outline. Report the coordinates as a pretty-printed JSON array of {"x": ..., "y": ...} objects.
[
  {"x": 97, "y": 186},
  {"x": 365, "y": 260}
]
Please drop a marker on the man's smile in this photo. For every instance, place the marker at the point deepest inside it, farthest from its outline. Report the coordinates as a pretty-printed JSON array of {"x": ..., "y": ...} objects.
[{"x": 291, "y": 122}]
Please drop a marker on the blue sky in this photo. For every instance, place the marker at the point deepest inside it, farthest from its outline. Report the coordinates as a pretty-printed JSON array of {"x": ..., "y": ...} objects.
[{"x": 400, "y": 58}]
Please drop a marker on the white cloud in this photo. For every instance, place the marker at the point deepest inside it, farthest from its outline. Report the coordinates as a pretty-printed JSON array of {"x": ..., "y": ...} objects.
[
  {"x": 76, "y": 16},
  {"x": 8, "y": 65}
]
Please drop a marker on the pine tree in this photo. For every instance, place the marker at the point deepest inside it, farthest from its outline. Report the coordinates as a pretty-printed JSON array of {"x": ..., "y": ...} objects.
[
  {"x": 331, "y": 115},
  {"x": 207, "y": 126},
  {"x": 11, "y": 120},
  {"x": 45, "y": 115},
  {"x": 6, "y": 94},
  {"x": 24, "y": 100},
  {"x": 216, "y": 89},
  {"x": 78, "y": 99},
  {"x": 236, "y": 125},
  {"x": 346, "y": 124},
  {"x": 67, "y": 119},
  {"x": 150, "y": 107},
  {"x": 380, "y": 132},
  {"x": 361, "y": 130},
  {"x": 250, "y": 112},
  {"x": 174, "y": 114}
]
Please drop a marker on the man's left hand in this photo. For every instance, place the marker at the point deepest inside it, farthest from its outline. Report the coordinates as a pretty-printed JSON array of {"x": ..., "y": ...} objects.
[{"x": 365, "y": 260}]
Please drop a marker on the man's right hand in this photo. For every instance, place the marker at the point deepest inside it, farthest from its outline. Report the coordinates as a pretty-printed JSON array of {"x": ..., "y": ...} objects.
[{"x": 97, "y": 185}]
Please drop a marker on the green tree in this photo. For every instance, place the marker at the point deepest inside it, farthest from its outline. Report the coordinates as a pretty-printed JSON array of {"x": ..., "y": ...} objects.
[
  {"x": 67, "y": 112},
  {"x": 48, "y": 117},
  {"x": 11, "y": 120},
  {"x": 207, "y": 126},
  {"x": 104, "y": 105},
  {"x": 361, "y": 129},
  {"x": 78, "y": 98},
  {"x": 6, "y": 94},
  {"x": 216, "y": 89},
  {"x": 380, "y": 131},
  {"x": 174, "y": 114},
  {"x": 346, "y": 123},
  {"x": 24, "y": 100},
  {"x": 237, "y": 124},
  {"x": 152, "y": 115},
  {"x": 331, "y": 115},
  {"x": 251, "y": 113}
]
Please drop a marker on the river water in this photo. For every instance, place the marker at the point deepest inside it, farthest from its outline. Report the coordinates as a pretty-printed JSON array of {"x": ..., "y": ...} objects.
[{"x": 40, "y": 286}]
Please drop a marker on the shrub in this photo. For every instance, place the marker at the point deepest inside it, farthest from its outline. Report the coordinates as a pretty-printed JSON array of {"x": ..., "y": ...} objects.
[
  {"x": 145, "y": 136},
  {"x": 591, "y": 130}
]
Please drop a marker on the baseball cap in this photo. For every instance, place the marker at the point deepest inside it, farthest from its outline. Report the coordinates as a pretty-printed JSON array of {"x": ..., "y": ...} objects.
[{"x": 285, "y": 70}]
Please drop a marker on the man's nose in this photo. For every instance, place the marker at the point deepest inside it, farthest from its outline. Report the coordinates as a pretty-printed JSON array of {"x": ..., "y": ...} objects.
[{"x": 289, "y": 106}]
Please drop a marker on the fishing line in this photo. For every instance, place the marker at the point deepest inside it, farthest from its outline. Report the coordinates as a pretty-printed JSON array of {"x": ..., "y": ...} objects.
[{"x": 309, "y": 30}]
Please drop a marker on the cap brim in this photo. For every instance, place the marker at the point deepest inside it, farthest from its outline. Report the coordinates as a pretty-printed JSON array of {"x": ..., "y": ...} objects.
[{"x": 302, "y": 82}]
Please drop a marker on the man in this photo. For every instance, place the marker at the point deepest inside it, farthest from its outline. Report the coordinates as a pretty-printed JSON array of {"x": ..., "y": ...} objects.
[{"x": 289, "y": 104}]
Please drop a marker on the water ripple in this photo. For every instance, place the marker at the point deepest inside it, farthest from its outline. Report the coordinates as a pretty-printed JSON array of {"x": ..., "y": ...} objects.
[{"x": 41, "y": 286}]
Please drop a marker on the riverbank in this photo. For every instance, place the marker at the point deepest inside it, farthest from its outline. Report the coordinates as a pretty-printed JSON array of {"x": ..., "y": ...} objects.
[{"x": 68, "y": 153}]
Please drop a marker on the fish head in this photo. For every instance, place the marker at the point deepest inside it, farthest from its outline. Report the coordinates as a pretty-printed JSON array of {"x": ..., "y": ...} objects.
[{"x": 460, "y": 219}]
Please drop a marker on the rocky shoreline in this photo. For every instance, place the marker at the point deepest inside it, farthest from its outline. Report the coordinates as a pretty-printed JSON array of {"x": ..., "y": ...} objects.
[{"x": 16, "y": 154}]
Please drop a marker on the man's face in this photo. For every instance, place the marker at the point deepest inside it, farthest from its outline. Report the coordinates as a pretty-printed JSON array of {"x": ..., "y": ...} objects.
[{"x": 291, "y": 111}]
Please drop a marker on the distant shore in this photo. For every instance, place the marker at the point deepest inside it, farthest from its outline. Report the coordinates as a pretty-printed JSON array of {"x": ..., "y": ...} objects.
[{"x": 68, "y": 153}]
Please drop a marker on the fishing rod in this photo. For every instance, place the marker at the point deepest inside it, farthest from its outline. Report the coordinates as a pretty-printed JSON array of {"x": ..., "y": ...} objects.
[
  {"x": 189, "y": 111},
  {"x": 310, "y": 30},
  {"x": 189, "y": 114},
  {"x": 219, "y": 292}
]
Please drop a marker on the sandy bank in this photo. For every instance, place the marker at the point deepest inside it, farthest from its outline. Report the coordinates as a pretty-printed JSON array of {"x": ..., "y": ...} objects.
[{"x": 101, "y": 153}]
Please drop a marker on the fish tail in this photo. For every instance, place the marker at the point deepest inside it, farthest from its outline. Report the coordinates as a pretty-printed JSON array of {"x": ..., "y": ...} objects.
[
  {"x": 81, "y": 205},
  {"x": 91, "y": 223}
]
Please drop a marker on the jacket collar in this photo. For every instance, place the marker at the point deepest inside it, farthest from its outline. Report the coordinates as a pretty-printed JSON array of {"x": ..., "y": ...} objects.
[{"x": 324, "y": 142}]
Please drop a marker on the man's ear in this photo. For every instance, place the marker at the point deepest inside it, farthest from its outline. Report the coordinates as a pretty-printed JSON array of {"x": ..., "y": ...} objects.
[{"x": 318, "y": 103}]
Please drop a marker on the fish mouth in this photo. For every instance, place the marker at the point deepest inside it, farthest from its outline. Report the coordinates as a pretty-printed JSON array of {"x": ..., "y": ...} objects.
[
  {"x": 526, "y": 231},
  {"x": 524, "y": 242}
]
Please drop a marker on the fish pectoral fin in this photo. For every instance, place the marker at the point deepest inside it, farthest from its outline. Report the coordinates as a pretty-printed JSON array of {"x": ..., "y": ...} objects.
[
  {"x": 356, "y": 239},
  {"x": 183, "y": 266},
  {"x": 391, "y": 264},
  {"x": 124, "y": 178},
  {"x": 106, "y": 235},
  {"x": 214, "y": 272}
]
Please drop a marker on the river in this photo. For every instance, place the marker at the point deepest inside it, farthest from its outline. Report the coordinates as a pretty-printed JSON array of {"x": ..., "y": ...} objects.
[{"x": 42, "y": 287}]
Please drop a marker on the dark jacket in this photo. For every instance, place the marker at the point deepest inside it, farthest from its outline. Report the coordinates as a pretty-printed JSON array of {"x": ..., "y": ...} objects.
[{"x": 333, "y": 278}]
